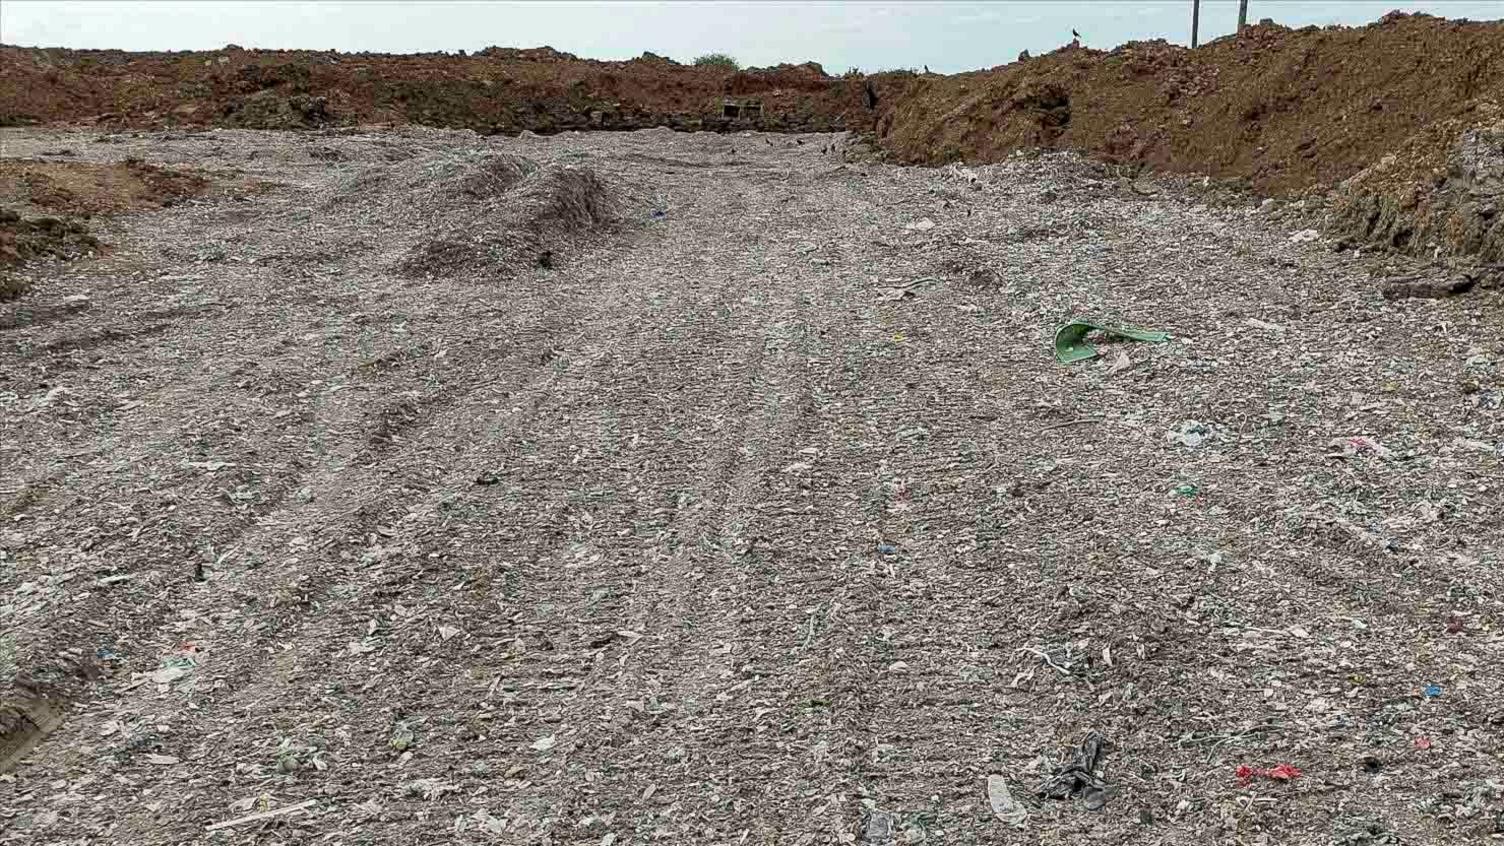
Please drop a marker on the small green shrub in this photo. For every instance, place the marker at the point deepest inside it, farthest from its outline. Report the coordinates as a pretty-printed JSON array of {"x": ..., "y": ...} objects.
[{"x": 717, "y": 60}]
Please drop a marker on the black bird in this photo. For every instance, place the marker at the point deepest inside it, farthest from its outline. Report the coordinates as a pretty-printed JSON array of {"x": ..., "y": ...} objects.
[
  {"x": 926, "y": 68},
  {"x": 1075, "y": 34}
]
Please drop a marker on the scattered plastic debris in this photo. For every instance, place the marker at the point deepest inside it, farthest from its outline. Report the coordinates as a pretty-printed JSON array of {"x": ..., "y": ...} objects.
[
  {"x": 1081, "y": 776},
  {"x": 1349, "y": 447},
  {"x": 402, "y": 736},
  {"x": 1279, "y": 772},
  {"x": 901, "y": 292},
  {"x": 1305, "y": 236},
  {"x": 1422, "y": 743},
  {"x": 879, "y": 828},
  {"x": 1190, "y": 433},
  {"x": 1118, "y": 363},
  {"x": 960, "y": 172},
  {"x": 178, "y": 664},
  {"x": 1432, "y": 691},
  {"x": 264, "y": 815},
  {"x": 1003, "y": 805},
  {"x": 923, "y": 224},
  {"x": 1265, "y": 325},
  {"x": 887, "y": 549},
  {"x": 1185, "y": 489},
  {"x": 1070, "y": 339}
]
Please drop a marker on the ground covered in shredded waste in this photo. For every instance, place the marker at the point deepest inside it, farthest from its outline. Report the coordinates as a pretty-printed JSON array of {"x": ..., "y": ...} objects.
[{"x": 664, "y": 488}]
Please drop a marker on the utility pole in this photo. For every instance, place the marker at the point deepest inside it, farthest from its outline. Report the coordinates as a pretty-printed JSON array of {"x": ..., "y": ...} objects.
[
  {"x": 1195, "y": 20},
  {"x": 1242, "y": 14}
]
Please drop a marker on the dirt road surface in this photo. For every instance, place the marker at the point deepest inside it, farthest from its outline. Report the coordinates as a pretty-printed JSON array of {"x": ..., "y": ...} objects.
[{"x": 658, "y": 488}]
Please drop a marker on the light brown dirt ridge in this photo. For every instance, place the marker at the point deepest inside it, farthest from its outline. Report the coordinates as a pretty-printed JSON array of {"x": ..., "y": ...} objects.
[{"x": 761, "y": 514}]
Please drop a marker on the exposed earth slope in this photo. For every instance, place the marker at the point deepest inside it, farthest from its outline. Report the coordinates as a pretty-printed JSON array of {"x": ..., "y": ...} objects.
[
  {"x": 1408, "y": 109},
  {"x": 1285, "y": 112}
]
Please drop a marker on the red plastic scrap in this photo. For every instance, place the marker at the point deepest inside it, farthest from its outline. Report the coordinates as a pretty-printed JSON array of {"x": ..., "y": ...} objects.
[{"x": 1279, "y": 772}]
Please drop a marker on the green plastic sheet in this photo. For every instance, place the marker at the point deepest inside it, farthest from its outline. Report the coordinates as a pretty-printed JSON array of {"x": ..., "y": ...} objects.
[{"x": 1071, "y": 345}]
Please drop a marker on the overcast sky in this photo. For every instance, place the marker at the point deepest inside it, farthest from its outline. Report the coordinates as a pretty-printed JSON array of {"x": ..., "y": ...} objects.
[{"x": 946, "y": 36}]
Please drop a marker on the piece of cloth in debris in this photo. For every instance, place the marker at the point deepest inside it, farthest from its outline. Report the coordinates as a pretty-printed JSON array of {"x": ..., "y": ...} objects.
[{"x": 1079, "y": 776}]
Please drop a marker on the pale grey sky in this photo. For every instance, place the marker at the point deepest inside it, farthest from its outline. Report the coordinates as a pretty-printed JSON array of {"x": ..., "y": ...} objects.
[{"x": 947, "y": 36}]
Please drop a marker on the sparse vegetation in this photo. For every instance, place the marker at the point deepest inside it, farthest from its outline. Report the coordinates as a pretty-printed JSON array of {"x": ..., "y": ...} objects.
[
  {"x": 24, "y": 239},
  {"x": 12, "y": 286},
  {"x": 717, "y": 60}
]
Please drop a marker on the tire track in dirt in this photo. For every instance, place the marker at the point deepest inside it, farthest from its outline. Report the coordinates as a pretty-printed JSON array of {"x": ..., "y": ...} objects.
[
  {"x": 717, "y": 535},
  {"x": 318, "y": 603}
]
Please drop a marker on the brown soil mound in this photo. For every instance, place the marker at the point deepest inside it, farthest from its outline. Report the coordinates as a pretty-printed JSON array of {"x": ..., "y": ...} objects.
[
  {"x": 1442, "y": 188},
  {"x": 496, "y": 90},
  {"x": 40, "y": 201},
  {"x": 1283, "y": 110},
  {"x": 89, "y": 188}
]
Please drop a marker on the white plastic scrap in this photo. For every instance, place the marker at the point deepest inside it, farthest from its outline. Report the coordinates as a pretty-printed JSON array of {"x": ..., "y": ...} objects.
[{"x": 1004, "y": 806}]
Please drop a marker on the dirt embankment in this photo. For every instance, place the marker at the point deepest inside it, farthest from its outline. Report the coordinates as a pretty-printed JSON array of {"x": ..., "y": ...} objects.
[
  {"x": 495, "y": 90},
  {"x": 1394, "y": 127},
  {"x": 45, "y": 205},
  {"x": 1285, "y": 111}
]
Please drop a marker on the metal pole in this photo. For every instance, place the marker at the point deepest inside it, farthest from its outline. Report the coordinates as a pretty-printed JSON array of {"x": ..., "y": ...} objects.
[
  {"x": 1242, "y": 14},
  {"x": 1195, "y": 20}
]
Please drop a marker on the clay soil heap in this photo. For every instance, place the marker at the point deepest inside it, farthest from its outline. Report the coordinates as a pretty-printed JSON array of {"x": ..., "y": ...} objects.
[
  {"x": 1282, "y": 111},
  {"x": 497, "y": 90},
  {"x": 1401, "y": 117}
]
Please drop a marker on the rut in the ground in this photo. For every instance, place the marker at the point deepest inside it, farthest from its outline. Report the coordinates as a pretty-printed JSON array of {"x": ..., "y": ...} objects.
[{"x": 764, "y": 516}]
